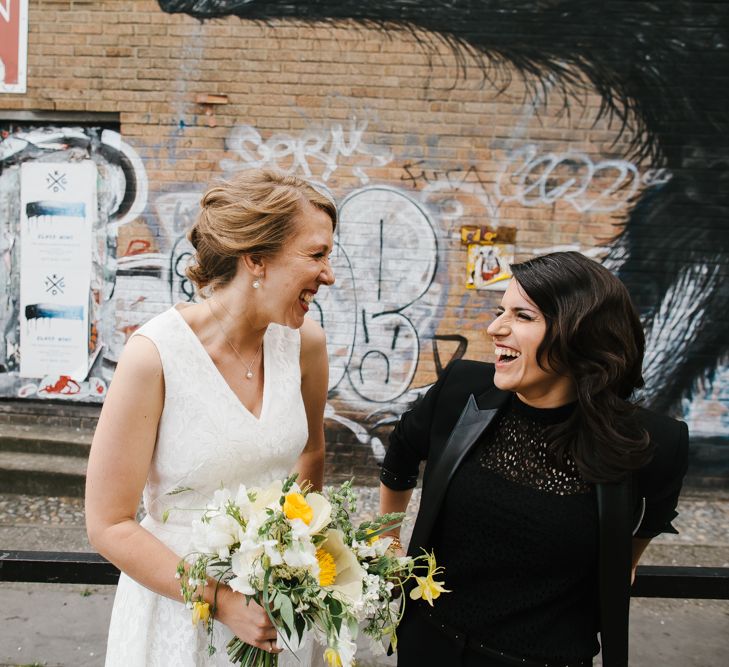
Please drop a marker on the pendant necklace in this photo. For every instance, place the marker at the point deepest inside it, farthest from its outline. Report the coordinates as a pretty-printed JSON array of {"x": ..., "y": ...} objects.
[{"x": 248, "y": 367}]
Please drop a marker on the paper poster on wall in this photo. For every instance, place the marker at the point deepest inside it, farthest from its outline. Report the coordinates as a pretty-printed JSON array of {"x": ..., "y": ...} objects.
[
  {"x": 58, "y": 207},
  {"x": 489, "y": 266},
  {"x": 490, "y": 256},
  {"x": 13, "y": 45}
]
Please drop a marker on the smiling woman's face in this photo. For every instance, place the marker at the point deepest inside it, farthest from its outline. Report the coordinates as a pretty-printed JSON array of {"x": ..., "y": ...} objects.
[{"x": 517, "y": 332}]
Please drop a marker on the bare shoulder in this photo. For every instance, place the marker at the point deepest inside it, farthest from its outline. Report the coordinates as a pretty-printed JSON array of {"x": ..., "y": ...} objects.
[
  {"x": 140, "y": 361},
  {"x": 313, "y": 338},
  {"x": 136, "y": 394},
  {"x": 313, "y": 348}
]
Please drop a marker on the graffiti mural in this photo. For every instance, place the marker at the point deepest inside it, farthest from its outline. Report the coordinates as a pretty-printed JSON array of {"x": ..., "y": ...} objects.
[
  {"x": 681, "y": 126},
  {"x": 568, "y": 124},
  {"x": 671, "y": 238}
]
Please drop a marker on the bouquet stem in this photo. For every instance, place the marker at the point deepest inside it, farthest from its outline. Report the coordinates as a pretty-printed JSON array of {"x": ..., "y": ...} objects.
[{"x": 250, "y": 656}]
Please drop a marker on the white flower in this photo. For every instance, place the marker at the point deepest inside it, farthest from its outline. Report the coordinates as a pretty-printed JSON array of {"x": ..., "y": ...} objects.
[
  {"x": 220, "y": 498},
  {"x": 382, "y": 545},
  {"x": 270, "y": 547},
  {"x": 268, "y": 497},
  {"x": 215, "y": 535},
  {"x": 363, "y": 549},
  {"x": 346, "y": 648},
  {"x": 242, "y": 585},
  {"x": 243, "y": 502},
  {"x": 299, "y": 530},
  {"x": 302, "y": 554},
  {"x": 247, "y": 567}
]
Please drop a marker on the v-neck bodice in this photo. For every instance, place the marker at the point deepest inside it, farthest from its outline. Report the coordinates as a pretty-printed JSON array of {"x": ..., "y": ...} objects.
[
  {"x": 197, "y": 343},
  {"x": 206, "y": 436}
]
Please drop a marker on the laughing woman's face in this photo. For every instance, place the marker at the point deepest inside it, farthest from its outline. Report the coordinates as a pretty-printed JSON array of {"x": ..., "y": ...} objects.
[{"x": 517, "y": 332}]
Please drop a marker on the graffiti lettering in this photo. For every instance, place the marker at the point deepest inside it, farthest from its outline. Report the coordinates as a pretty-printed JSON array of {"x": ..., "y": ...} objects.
[
  {"x": 455, "y": 179},
  {"x": 316, "y": 152},
  {"x": 533, "y": 179},
  {"x": 372, "y": 339}
]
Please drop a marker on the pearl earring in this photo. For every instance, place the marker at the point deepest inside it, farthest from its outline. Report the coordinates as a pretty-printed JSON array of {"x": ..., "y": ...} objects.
[{"x": 256, "y": 283}]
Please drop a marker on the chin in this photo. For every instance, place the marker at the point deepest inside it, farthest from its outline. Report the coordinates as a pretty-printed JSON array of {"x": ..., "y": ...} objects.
[
  {"x": 295, "y": 321},
  {"x": 503, "y": 383}
]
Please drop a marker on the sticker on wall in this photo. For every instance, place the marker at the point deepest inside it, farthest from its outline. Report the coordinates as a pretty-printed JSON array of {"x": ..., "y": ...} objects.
[
  {"x": 490, "y": 255},
  {"x": 13, "y": 45},
  {"x": 58, "y": 207}
]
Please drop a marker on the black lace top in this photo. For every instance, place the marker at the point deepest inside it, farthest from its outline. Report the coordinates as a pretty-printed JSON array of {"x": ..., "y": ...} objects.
[{"x": 522, "y": 567}]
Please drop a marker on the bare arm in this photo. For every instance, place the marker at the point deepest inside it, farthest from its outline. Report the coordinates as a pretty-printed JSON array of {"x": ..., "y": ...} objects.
[
  {"x": 394, "y": 501},
  {"x": 119, "y": 463},
  {"x": 639, "y": 546},
  {"x": 314, "y": 384}
]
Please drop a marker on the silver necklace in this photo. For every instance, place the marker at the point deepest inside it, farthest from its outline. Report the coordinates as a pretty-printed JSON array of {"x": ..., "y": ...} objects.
[{"x": 248, "y": 367}]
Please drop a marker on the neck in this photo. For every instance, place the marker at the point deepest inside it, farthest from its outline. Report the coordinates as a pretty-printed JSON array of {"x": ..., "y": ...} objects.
[
  {"x": 555, "y": 398},
  {"x": 242, "y": 327}
]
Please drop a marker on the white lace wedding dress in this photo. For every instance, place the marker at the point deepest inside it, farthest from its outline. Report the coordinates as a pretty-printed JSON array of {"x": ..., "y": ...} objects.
[{"x": 206, "y": 438}]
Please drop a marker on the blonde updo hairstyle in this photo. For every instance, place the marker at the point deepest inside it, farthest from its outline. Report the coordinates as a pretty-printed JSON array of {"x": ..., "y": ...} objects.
[{"x": 250, "y": 214}]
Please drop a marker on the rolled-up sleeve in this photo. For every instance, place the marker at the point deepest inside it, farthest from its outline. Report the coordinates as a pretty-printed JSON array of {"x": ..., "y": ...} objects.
[
  {"x": 661, "y": 485},
  {"x": 410, "y": 441}
]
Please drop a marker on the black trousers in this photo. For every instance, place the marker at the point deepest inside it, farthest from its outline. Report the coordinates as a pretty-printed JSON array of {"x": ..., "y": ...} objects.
[{"x": 421, "y": 644}]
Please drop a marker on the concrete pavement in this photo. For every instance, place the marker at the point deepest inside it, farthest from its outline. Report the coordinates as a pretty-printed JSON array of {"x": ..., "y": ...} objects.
[{"x": 51, "y": 624}]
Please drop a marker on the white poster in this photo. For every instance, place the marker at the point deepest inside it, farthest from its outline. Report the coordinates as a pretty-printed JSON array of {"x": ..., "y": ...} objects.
[{"x": 58, "y": 208}]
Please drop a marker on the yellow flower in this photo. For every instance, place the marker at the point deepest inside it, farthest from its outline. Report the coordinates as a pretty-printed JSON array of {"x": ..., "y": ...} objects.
[
  {"x": 332, "y": 658},
  {"x": 427, "y": 589},
  {"x": 296, "y": 507},
  {"x": 200, "y": 612},
  {"x": 327, "y": 568},
  {"x": 348, "y": 573},
  {"x": 372, "y": 540}
]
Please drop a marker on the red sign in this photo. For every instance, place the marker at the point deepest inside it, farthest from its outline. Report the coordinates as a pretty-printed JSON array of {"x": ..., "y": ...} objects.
[{"x": 13, "y": 45}]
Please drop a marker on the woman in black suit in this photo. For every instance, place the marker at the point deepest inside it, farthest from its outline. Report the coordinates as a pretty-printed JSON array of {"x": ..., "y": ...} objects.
[{"x": 521, "y": 456}]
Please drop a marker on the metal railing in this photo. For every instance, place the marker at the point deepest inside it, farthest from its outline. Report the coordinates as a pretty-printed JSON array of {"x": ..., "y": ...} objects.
[{"x": 651, "y": 581}]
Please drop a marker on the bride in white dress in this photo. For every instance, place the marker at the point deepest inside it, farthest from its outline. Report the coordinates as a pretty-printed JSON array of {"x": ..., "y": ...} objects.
[{"x": 227, "y": 391}]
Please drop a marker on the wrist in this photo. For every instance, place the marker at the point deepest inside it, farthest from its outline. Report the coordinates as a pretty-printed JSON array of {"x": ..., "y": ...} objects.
[{"x": 219, "y": 600}]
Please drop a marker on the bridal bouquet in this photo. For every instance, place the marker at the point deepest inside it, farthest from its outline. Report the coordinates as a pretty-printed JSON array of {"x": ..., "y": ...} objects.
[{"x": 297, "y": 553}]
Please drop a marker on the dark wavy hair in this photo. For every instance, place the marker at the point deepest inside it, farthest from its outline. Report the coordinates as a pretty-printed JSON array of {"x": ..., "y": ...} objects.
[{"x": 594, "y": 335}]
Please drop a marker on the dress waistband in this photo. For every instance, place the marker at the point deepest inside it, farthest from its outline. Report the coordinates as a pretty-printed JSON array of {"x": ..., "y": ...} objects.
[
  {"x": 152, "y": 524},
  {"x": 463, "y": 640}
]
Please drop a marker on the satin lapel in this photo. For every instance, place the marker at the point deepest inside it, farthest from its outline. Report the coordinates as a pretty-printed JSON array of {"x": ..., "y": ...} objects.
[{"x": 468, "y": 428}]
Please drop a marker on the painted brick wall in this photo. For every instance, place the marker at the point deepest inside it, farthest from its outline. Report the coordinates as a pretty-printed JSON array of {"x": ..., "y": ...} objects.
[{"x": 423, "y": 142}]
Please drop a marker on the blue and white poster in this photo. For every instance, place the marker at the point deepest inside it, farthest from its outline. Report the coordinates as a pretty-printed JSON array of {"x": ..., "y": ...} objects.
[{"x": 58, "y": 206}]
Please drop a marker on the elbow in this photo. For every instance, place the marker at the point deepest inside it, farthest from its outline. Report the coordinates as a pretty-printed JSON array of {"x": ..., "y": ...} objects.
[
  {"x": 102, "y": 531},
  {"x": 105, "y": 537},
  {"x": 94, "y": 526},
  {"x": 94, "y": 532}
]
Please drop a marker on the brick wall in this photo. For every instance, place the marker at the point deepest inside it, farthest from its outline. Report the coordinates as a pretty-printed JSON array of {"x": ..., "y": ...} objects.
[{"x": 422, "y": 143}]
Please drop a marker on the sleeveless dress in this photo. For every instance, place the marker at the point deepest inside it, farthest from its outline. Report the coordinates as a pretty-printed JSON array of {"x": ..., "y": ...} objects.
[{"x": 206, "y": 437}]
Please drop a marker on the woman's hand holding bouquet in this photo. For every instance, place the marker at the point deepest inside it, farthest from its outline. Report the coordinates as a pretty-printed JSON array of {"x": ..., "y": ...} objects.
[{"x": 297, "y": 554}]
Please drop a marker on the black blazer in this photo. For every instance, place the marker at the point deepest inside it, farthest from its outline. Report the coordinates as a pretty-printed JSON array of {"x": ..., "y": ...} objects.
[{"x": 444, "y": 426}]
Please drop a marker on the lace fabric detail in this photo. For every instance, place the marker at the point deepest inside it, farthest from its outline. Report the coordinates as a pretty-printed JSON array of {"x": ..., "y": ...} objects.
[
  {"x": 206, "y": 438},
  {"x": 518, "y": 541},
  {"x": 517, "y": 450}
]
